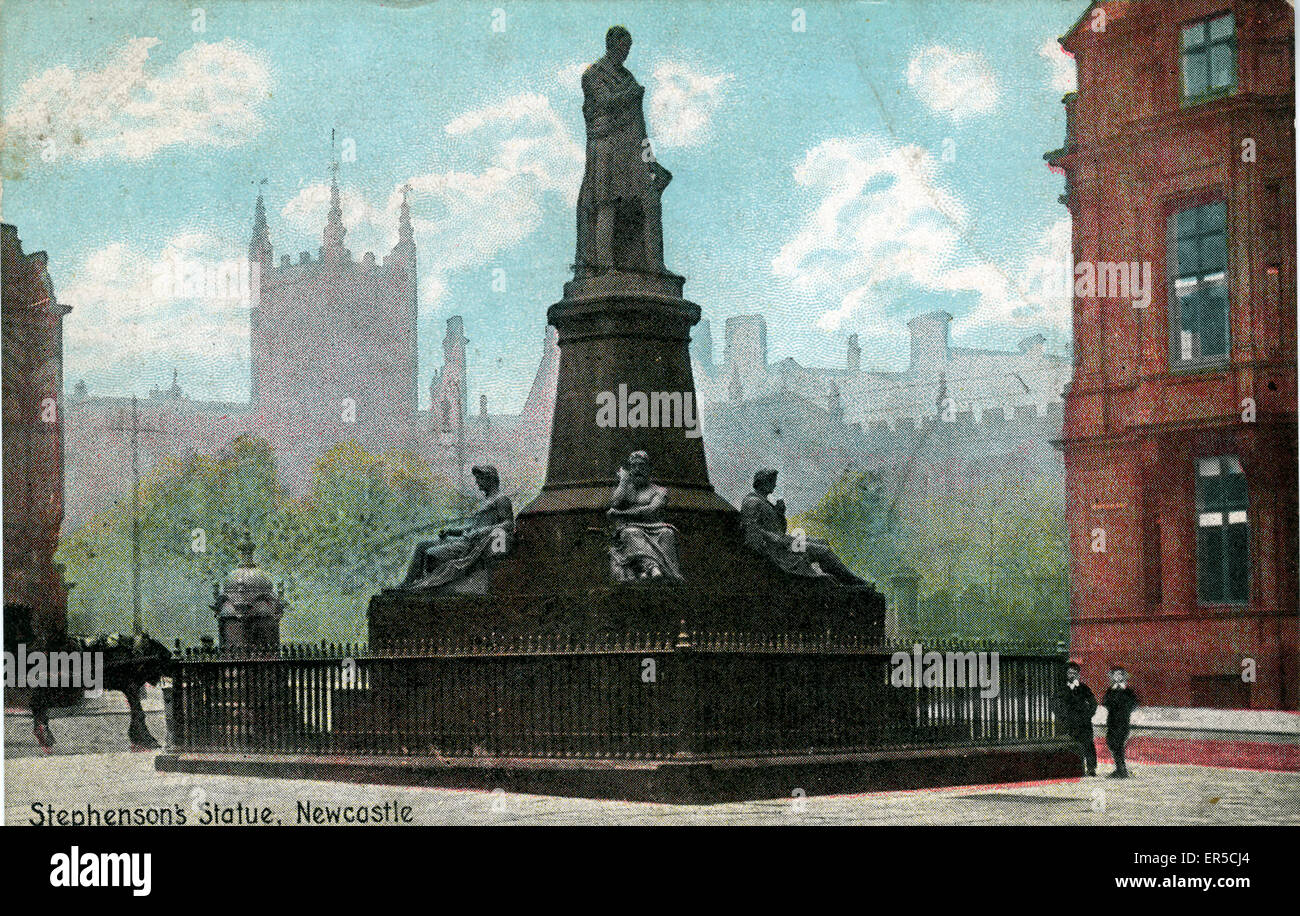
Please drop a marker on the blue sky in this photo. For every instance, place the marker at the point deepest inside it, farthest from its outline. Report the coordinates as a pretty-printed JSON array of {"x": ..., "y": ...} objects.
[{"x": 884, "y": 161}]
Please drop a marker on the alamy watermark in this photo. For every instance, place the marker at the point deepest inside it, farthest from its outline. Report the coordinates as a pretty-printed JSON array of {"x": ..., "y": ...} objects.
[
  {"x": 75, "y": 868},
  {"x": 39, "y": 668},
  {"x": 1100, "y": 280},
  {"x": 1114, "y": 280},
  {"x": 654, "y": 409},
  {"x": 946, "y": 669},
  {"x": 236, "y": 280}
]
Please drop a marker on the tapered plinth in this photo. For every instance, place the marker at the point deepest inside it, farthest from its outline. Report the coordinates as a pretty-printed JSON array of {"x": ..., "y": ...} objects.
[{"x": 630, "y": 332}]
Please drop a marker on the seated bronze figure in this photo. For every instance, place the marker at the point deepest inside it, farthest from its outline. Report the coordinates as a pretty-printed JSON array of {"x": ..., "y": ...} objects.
[
  {"x": 644, "y": 545},
  {"x": 764, "y": 525},
  {"x": 459, "y": 550}
]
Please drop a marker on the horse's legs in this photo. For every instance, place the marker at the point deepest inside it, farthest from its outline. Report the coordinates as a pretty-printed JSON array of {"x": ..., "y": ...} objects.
[
  {"x": 41, "y": 721},
  {"x": 138, "y": 732}
]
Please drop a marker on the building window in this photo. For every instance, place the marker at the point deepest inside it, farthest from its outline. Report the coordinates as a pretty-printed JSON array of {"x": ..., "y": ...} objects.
[
  {"x": 1209, "y": 59},
  {"x": 1198, "y": 246},
  {"x": 1222, "y": 532}
]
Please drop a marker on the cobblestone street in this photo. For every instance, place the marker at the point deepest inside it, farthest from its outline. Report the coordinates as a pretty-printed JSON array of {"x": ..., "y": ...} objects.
[{"x": 92, "y": 767}]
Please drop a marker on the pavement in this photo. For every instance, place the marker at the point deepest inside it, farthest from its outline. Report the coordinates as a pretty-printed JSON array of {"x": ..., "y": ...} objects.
[
  {"x": 93, "y": 770},
  {"x": 1252, "y": 721}
]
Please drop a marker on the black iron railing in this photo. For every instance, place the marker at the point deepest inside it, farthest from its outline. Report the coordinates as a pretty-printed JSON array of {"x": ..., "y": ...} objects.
[{"x": 625, "y": 696}]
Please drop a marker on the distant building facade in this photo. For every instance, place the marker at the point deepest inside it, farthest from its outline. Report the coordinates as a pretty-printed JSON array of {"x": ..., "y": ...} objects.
[
  {"x": 33, "y": 439},
  {"x": 814, "y": 423},
  {"x": 1180, "y": 419}
]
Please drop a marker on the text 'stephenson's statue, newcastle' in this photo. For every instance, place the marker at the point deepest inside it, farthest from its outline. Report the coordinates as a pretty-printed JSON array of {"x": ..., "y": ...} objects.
[
  {"x": 458, "y": 550},
  {"x": 764, "y": 527},
  {"x": 619, "y": 217},
  {"x": 645, "y": 546}
]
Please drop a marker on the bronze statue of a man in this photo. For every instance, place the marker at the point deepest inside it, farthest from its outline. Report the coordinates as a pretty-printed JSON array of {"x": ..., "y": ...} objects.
[
  {"x": 763, "y": 523},
  {"x": 644, "y": 546},
  {"x": 457, "y": 550},
  {"x": 619, "y": 216}
]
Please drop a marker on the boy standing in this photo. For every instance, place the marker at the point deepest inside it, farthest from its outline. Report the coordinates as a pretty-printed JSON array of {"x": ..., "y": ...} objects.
[
  {"x": 1075, "y": 709},
  {"x": 1120, "y": 701}
]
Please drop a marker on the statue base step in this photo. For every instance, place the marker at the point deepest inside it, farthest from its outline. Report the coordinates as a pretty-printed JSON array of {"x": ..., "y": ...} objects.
[
  {"x": 619, "y": 283},
  {"x": 805, "y": 607},
  {"x": 685, "y": 781}
]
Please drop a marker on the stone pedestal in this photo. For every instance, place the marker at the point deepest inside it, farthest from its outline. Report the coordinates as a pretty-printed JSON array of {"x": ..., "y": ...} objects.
[{"x": 631, "y": 330}]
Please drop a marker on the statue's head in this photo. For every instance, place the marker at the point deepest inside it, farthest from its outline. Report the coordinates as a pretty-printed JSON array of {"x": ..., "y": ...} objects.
[
  {"x": 638, "y": 465},
  {"x": 486, "y": 477},
  {"x": 765, "y": 481},
  {"x": 618, "y": 42}
]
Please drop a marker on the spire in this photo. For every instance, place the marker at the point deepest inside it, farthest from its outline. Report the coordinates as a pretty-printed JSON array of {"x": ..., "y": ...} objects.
[
  {"x": 334, "y": 231},
  {"x": 246, "y": 548},
  {"x": 404, "y": 251},
  {"x": 259, "y": 249},
  {"x": 405, "y": 234}
]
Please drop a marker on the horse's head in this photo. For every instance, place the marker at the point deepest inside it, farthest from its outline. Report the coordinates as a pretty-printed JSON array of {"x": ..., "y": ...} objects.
[
  {"x": 132, "y": 659},
  {"x": 145, "y": 646},
  {"x": 154, "y": 658}
]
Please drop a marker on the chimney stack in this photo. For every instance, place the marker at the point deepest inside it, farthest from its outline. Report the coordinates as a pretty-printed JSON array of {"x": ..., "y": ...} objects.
[{"x": 930, "y": 350}]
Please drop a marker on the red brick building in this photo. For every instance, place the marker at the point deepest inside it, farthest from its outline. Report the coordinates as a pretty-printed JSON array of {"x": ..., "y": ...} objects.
[
  {"x": 1180, "y": 419},
  {"x": 32, "y": 324}
]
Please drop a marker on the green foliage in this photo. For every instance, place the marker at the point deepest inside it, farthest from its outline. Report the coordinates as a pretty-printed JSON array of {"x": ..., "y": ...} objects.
[
  {"x": 333, "y": 549},
  {"x": 990, "y": 553}
]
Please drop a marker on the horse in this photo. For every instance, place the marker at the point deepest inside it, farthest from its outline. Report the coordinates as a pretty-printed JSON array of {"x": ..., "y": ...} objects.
[{"x": 129, "y": 662}]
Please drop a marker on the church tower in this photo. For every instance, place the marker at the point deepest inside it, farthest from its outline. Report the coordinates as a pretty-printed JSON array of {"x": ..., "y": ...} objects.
[
  {"x": 448, "y": 395},
  {"x": 333, "y": 353}
]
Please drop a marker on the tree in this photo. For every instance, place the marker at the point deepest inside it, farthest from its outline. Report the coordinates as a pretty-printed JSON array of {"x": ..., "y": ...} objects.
[
  {"x": 333, "y": 549},
  {"x": 987, "y": 541}
]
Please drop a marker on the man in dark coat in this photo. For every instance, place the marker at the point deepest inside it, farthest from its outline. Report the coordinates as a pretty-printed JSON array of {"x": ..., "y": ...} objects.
[
  {"x": 1075, "y": 706},
  {"x": 1120, "y": 701},
  {"x": 620, "y": 223}
]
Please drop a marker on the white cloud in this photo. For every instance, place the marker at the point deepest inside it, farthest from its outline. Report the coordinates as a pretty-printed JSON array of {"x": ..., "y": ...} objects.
[
  {"x": 368, "y": 227},
  {"x": 520, "y": 155},
  {"x": 1064, "y": 79},
  {"x": 210, "y": 95},
  {"x": 880, "y": 219},
  {"x": 956, "y": 84},
  {"x": 681, "y": 100},
  {"x": 682, "y": 103},
  {"x": 1041, "y": 292},
  {"x": 882, "y": 230},
  {"x": 137, "y": 312},
  {"x": 569, "y": 77}
]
